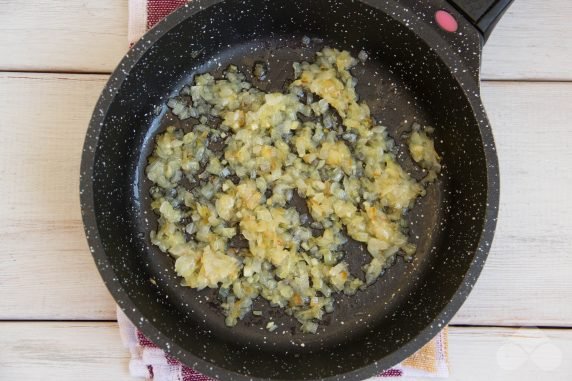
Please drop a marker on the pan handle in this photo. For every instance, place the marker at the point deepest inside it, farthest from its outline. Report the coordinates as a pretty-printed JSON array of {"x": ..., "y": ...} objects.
[{"x": 484, "y": 14}]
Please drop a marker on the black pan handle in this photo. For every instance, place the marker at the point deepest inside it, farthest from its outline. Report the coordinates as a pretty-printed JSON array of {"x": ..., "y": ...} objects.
[{"x": 484, "y": 14}]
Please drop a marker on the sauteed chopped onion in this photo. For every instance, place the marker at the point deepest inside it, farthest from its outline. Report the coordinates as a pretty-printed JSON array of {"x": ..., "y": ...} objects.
[{"x": 316, "y": 142}]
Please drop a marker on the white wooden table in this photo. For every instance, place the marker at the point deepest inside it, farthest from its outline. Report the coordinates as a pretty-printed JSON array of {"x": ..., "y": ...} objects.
[{"x": 57, "y": 318}]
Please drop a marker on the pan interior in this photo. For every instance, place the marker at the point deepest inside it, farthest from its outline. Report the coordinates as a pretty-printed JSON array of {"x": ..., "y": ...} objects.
[{"x": 402, "y": 81}]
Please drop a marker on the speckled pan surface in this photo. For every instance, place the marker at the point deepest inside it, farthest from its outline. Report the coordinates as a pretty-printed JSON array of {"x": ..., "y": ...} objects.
[{"x": 414, "y": 72}]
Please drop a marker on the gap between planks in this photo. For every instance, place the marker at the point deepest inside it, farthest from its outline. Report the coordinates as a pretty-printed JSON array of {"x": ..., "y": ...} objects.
[{"x": 106, "y": 74}]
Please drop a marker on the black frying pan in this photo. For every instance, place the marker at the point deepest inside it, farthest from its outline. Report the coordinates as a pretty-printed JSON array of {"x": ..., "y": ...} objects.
[{"x": 416, "y": 71}]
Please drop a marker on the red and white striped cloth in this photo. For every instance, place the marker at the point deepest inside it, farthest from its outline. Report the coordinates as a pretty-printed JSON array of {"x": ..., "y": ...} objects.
[{"x": 150, "y": 362}]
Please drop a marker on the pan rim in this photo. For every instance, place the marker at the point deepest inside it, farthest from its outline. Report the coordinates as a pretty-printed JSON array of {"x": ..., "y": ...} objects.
[{"x": 121, "y": 296}]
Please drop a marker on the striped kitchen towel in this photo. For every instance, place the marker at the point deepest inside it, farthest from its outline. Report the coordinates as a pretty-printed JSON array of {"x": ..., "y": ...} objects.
[{"x": 150, "y": 362}]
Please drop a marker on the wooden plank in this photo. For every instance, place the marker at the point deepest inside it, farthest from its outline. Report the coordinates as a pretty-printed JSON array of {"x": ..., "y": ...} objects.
[
  {"x": 62, "y": 35},
  {"x": 46, "y": 271},
  {"x": 509, "y": 354},
  {"x": 526, "y": 280},
  {"x": 62, "y": 350},
  {"x": 44, "y": 255},
  {"x": 530, "y": 42}
]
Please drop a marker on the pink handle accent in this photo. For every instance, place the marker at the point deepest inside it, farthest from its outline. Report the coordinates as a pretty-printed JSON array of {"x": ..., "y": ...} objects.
[{"x": 446, "y": 21}]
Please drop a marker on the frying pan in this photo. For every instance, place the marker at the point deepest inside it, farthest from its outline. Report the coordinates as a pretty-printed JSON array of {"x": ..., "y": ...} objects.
[{"x": 417, "y": 71}]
